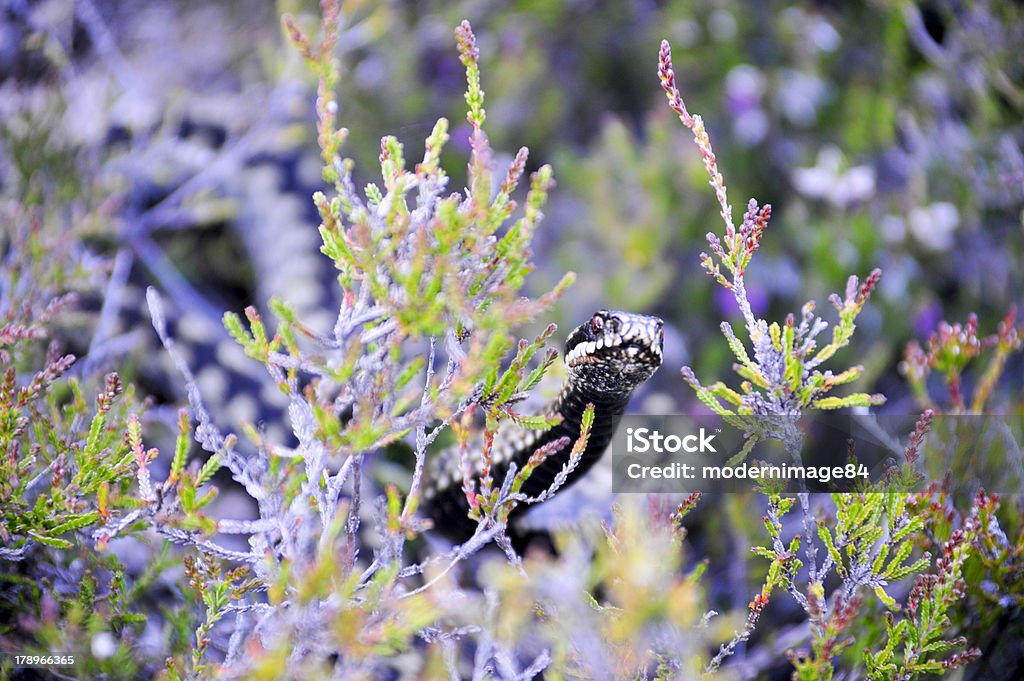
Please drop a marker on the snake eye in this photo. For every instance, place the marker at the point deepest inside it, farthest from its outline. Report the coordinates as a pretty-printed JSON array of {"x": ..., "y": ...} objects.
[{"x": 596, "y": 323}]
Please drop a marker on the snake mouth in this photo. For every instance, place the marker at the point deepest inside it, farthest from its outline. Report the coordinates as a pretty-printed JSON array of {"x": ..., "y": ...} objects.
[
  {"x": 617, "y": 338},
  {"x": 596, "y": 352}
]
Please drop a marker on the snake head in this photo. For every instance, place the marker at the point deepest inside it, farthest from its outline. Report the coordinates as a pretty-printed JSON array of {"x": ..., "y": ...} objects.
[{"x": 614, "y": 352}]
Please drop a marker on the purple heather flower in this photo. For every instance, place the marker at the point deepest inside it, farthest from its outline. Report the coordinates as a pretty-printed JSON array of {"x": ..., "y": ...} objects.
[
  {"x": 927, "y": 319},
  {"x": 725, "y": 302},
  {"x": 744, "y": 88},
  {"x": 799, "y": 95}
]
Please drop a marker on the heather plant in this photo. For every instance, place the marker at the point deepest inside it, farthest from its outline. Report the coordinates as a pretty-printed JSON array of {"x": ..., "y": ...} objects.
[
  {"x": 951, "y": 348},
  {"x": 426, "y": 282},
  {"x": 67, "y": 463},
  {"x": 870, "y": 541},
  {"x": 979, "y": 589},
  {"x": 72, "y": 436},
  {"x": 783, "y": 378},
  {"x": 975, "y": 585}
]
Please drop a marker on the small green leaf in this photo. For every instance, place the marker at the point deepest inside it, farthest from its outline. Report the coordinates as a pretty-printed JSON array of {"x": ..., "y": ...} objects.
[
  {"x": 886, "y": 599},
  {"x": 53, "y": 542},
  {"x": 208, "y": 470}
]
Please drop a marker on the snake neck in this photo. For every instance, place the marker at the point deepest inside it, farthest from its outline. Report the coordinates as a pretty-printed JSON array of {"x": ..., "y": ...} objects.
[
  {"x": 571, "y": 405},
  {"x": 447, "y": 505}
]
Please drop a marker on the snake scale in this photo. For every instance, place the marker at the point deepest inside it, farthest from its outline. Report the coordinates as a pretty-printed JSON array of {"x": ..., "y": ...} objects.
[{"x": 606, "y": 359}]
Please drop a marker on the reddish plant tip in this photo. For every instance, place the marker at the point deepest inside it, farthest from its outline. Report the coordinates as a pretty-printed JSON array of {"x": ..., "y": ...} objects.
[
  {"x": 468, "y": 50},
  {"x": 686, "y": 506},
  {"x": 665, "y": 63},
  {"x": 869, "y": 285},
  {"x": 330, "y": 7},
  {"x": 667, "y": 77},
  {"x": 296, "y": 35},
  {"x": 1006, "y": 326}
]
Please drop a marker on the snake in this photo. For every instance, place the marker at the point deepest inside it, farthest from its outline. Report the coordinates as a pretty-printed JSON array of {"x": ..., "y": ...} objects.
[{"x": 606, "y": 359}]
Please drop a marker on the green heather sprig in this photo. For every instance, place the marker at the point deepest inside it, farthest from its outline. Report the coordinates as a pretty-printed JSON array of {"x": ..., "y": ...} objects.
[
  {"x": 67, "y": 461},
  {"x": 217, "y": 590},
  {"x": 782, "y": 378},
  {"x": 51, "y": 489},
  {"x": 321, "y": 61},
  {"x": 498, "y": 396},
  {"x": 489, "y": 505},
  {"x": 916, "y": 643}
]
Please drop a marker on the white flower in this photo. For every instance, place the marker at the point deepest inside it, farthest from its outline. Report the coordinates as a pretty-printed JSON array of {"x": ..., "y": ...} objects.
[
  {"x": 933, "y": 225},
  {"x": 103, "y": 645},
  {"x": 826, "y": 181}
]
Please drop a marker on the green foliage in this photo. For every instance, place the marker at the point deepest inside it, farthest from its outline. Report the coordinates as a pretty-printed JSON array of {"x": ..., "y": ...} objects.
[
  {"x": 875, "y": 534},
  {"x": 411, "y": 270},
  {"x": 418, "y": 268},
  {"x": 629, "y": 223},
  {"x": 216, "y": 590},
  {"x": 74, "y": 472},
  {"x": 51, "y": 489},
  {"x": 69, "y": 452},
  {"x": 498, "y": 396},
  {"x": 916, "y": 644}
]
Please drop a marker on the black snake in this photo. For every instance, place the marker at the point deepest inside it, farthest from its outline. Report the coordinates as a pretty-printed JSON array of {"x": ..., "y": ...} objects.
[{"x": 606, "y": 359}]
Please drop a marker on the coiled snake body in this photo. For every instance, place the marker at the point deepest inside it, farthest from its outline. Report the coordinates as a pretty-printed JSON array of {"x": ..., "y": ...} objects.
[{"x": 606, "y": 359}]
